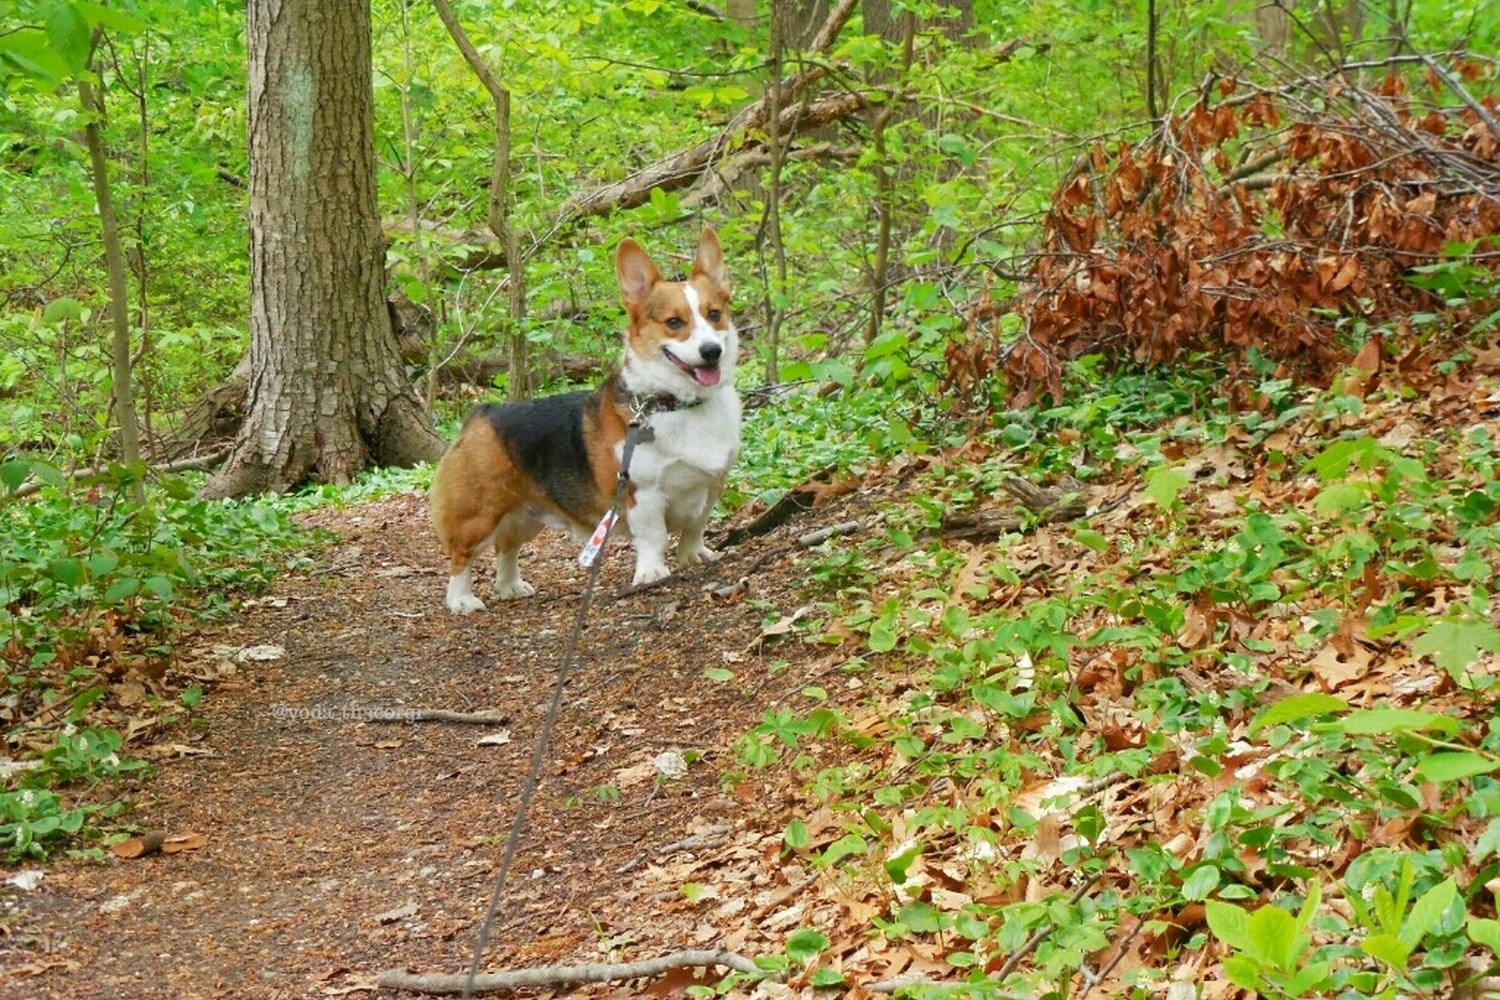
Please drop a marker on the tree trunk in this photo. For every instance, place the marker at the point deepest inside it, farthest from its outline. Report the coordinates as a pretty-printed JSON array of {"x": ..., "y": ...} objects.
[
  {"x": 327, "y": 392},
  {"x": 881, "y": 18},
  {"x": 114, "y": 262}
]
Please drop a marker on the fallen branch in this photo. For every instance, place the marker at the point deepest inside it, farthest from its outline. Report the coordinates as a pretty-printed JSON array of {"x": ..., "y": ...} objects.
[
  {"x": 822, "y": 535},
  {"x": 907, "y": 982},
  {"x": 682, "y": 168},
  {"x": 550, "y": 976},
  {"x": 714, "y": 836},
  {"x": 29, "y": 487},
  {"x": 1047, "y": 505},
  {"x": 442, "y": 715}
]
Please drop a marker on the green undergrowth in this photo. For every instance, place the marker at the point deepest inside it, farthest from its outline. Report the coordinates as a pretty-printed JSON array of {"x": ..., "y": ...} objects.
[
  {"x": 1239, "y": 717},
  {"x": 96, "y": 591}
]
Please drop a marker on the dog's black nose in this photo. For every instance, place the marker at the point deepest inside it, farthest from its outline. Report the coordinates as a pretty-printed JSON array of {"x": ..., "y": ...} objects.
[{"x": 710, "y": 352}]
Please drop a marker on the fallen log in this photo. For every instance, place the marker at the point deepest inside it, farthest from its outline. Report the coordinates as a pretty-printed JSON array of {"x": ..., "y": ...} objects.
[{"x": 682, "y": 168}]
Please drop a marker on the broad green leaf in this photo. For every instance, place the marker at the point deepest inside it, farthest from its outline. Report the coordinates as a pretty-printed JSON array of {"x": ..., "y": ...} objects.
[
  {"x": 1230, "y": 924},
  {"x": 718, "y": 674},
  {"x": 1273, "y": 936},
  {"x": 13, "y": 473},
  {"x": 824, "y": 976},
  {"x": 1298, "y": 706},
  {"x": 109, "y": 18},
  {"x": 1427, "y": 911},
  {"x": 1333, "y": 461},
  {"x": 1454, "y": 765},
  {"x": 1386, "y": 720},
  {"x": 1308, "y": 978},
  {"x": 1488, "y": 842},
  {"x": 63, "y": 307},
  {"x": 1244, "y": 972},
  {"x": 1486, "y": 932},
  {"x": 805, "y": 944},
  {"x": 68, "y": 572},
  {"x": 1203, "y": 880},
  {"x": 898, "y": 865},
  {"x": 121, "y": 589},
  {"x": 1387, "y": 948},
  {"x": 1310, "y": 905},
  {"x": 1455, "y": 645},
  {"x": 1341, "y": 498},
  {"x": 797, "y": 836},
  {"x": 69, "y": 34},
  {"x": 1164, "y": 483}
]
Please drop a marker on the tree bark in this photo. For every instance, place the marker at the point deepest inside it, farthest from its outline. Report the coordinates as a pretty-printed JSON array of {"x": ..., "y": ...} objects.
[
  {"x": 114, "y": 263},
  {"x": 327, "y": 392}
]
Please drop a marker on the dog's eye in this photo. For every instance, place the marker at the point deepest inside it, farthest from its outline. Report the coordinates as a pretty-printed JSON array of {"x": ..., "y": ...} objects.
[
  {"x": 674, "y": 323},
  {"x": 714, "y": 315}
]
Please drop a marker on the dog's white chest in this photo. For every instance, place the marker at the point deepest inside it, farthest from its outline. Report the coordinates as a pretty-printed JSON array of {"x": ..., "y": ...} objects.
[{"x": 689, "y": 447}]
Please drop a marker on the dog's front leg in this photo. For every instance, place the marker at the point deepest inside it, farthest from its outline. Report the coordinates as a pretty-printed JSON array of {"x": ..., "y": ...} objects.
[
  {"x": 690, "y": 548},
  {"x": 648, "y": 528}
]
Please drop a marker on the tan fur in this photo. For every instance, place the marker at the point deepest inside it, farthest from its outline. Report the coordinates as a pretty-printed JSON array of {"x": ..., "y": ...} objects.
[{"x": 476, "y": 485}]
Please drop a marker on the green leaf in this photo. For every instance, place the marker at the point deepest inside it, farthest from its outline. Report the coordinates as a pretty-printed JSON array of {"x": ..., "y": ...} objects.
[
  {"x": 1230, "y": 924},
  {"x": 1164, "y": 483},
  {"x": 824, "y": 976},
  {"x": 796, "y": 836},
  {"x": 1298, "y": 706},
  {"x": 121, "y": 589},
  {"x": 1203, "y": 880},
  {"x": 718, "y": 674},
  {"x": 13, "y": 473},
  {"x": 1273, "y": 936},
  {"x": 62, "y": 308},
  {"x": 1388, "y": 949},
  {"x": 849, "y": 845},
  {"x": 805, "y": 944},
  {"x": 1455, "y": 645},
  {"x": 1485, "y": 932},
  {"x": 1488, "y": 842},
  {"x": 1333, "y": 461},
  {"x": 1445, "y": 766},
  {"x": 1308, "y": 978},
  {"x": 1090, "y": 538},
  {"x": 69, "y": 34},
  {"x": 1341, "y": 498},
  {"x": 1427, "y": 911},
  {"x": 108, "y": 17},
  {"x": 898, "y": 865},
  {"x": 68, "y": 572},
  {"x": 1371, "y": 721}
]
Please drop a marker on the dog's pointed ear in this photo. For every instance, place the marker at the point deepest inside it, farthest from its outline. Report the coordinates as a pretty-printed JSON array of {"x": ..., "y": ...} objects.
[
  {"x": 636, "y": 272},
  {"x": 710, "y": 259}
]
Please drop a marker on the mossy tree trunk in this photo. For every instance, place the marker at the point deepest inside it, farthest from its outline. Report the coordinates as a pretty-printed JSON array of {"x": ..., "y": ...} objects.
[{"x": 328, "y": 393}]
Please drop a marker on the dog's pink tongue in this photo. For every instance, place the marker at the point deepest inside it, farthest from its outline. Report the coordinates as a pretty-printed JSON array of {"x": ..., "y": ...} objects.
[{"x": 706, "y": 376}]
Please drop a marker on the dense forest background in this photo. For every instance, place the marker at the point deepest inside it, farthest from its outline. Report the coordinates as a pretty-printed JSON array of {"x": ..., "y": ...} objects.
[{"x": 1109, "y": 604}]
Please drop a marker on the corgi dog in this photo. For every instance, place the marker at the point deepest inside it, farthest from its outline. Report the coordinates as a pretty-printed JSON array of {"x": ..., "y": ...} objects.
[{"x": 520, "y": 467}]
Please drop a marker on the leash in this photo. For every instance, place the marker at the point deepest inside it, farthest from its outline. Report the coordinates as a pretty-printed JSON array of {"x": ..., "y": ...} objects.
[{"x": 638, "y": 433}]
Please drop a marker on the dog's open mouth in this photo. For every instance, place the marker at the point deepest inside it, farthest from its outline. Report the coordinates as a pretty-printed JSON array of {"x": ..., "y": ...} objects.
[{"x": 702, "y": 374}]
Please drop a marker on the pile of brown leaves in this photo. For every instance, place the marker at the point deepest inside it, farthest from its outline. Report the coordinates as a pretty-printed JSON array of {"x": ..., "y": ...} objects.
[{"x": 1254, "y": 220}]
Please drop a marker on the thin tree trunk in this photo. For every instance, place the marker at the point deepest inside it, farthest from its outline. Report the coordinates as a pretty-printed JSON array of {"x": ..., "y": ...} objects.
[
  {"x": 413, "y": 204},
  {"x": 114, "y": 263},
  {"x": 500, "y": 222},
  {"x": 1151, "y": 28},
  {"x": 885, "y": 183},
  {"x": 327, "y": 390},
  {"x": 774, "y": 292}
]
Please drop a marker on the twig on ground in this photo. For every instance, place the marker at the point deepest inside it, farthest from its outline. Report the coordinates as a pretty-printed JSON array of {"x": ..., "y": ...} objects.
[
  {"x": 553, "y": 976},
  {"x": 714, "y": 836},
  {"x": 441, "y": 715},
  {"x": 905, "y": 982},
  {"x": 822, "y": 535}
]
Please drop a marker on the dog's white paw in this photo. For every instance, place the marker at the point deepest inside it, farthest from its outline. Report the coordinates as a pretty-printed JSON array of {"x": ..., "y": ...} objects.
[
  {"x": 650, "y": 573},
  {"x": 514, "y": 591},
  {"x": 464, "y": 604},
  {"x": 701, "y": 554}
]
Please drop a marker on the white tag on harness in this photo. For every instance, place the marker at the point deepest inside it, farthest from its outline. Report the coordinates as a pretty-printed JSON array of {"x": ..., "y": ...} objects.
[{"x": 596, "y": 540}]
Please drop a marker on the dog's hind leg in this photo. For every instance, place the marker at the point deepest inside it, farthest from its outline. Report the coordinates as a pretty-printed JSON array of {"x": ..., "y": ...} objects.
[{"x": 516, "y": 529}]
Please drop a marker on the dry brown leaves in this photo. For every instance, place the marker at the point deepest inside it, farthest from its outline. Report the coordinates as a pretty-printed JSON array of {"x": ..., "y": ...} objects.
[{"x": 1175, "y": 245}]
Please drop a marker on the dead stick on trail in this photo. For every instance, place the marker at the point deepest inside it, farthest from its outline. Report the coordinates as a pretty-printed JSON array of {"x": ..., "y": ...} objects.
[
  {"x": 442, "y": 715},
  {"x": 547, "y": 976}
]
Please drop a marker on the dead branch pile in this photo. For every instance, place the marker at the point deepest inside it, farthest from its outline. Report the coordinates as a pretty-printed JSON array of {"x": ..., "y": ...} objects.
[{"x": 1258, "y": 218}]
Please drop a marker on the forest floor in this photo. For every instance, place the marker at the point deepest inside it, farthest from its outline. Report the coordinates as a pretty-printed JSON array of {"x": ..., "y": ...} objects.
[{"x": 335, "y": 846}]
